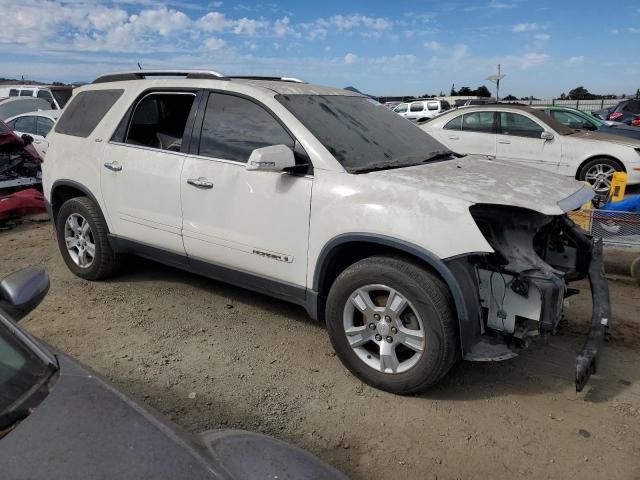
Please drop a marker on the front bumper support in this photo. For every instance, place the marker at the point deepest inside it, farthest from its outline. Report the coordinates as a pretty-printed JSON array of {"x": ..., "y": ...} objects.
[{"x": 588, "y": 356}]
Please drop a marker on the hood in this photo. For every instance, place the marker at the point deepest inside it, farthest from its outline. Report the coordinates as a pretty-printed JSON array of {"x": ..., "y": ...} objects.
[
  {"x": 12, "y": 143},
  {"x": 479, "y": 179},
  {"x": 600, "y": 136}
]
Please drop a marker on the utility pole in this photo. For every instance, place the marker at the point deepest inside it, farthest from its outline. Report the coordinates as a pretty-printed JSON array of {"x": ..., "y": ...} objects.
[{"x": 496, "y": 79}]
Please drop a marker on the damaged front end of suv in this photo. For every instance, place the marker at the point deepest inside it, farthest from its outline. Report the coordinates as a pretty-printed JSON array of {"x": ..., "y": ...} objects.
[{"x": 518, "y": 291}]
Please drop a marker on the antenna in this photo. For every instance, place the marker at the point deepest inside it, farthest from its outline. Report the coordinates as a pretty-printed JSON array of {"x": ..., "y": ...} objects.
[
  {"x": 139, "y": 66},
  {"x": 496, "y": 79}
]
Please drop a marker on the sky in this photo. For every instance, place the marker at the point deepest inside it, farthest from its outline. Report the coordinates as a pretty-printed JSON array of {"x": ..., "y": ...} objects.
[{"x": 545, "y": 47}]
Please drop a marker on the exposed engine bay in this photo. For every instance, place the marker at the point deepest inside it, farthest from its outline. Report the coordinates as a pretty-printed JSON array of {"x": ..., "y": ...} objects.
[{"x": 521, "y": 287}]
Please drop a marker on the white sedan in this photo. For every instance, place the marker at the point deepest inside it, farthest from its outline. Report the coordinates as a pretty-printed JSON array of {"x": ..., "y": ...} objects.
[
  {"x": 37, "y": 124},
  {"x": 528, "y": 137}
]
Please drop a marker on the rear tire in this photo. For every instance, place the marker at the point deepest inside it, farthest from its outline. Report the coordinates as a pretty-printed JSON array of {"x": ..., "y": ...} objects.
[
  {"x": 598, "y": 172},
  {"x": 82, "y": 238},
  {"x": 398, "y": 347}
]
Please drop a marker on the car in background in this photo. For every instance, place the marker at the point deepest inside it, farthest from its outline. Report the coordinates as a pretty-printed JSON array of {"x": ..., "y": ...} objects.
[
  {"x": 37, "y": 124},
  {"x": 391, "y": 105},
  {"x": 574, "y": 118},
  {"x": 19, "y": 162},
  {"x": 58, "y": 419},
  {"x": 627, "y": 111},
  {"x": 422, "y": 110},
  {"x": 56, "y": 96},
  {"x": 10, "y": 107},
  {"x": 526, "y": 136}
]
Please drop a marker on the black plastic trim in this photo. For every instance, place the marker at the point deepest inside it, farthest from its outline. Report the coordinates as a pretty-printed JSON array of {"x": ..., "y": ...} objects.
[
  {"x": 258, "y": 283},
  {"x": 432, "y": 260},
  {"x": 77, "y": 186}
]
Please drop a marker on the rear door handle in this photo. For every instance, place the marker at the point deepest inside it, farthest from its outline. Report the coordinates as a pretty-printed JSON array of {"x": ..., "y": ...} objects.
[
  {"x": 200, "y": 183},
  {"x": 505, "y": 142},
  {"x": 113, "y": 166},
  {"x": 453, "y": 137}
]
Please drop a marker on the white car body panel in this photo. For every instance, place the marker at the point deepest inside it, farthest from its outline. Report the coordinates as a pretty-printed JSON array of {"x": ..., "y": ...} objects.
[{"x": 563, "y": 154}]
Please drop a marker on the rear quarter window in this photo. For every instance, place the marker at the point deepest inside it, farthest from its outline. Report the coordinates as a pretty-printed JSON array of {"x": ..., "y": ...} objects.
[{"x": 85, "y": 111}]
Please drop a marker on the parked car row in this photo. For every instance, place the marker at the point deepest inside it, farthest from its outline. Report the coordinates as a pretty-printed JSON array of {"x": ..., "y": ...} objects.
[
  {"x": 422, "y": 110},
  {"x": 56, "y": 96},
  {"x": 627, "y": 111},
  {"x": 527, "y": 136}
]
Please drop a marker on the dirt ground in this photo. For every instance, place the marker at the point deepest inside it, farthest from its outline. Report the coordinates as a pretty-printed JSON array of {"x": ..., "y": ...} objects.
[{"x": 209, "y": 356}]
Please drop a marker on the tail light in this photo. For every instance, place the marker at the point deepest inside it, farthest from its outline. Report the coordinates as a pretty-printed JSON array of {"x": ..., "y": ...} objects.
[
  {"x": 615, "y": 116},
  {"x": 635, "y": 122}
]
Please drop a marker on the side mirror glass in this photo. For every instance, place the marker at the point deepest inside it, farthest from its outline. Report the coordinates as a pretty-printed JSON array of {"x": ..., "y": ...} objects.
[
  {"x": 276, "y": 158},
  {"x": 22, "y": 291},
  {"x": 546, "y": 136}
]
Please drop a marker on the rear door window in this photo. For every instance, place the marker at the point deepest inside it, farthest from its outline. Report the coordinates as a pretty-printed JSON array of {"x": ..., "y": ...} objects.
[
  {"x": 518, "y": 125},
  {"x": 26, "y": 93},
  {"x": 479, "y": 122},
  {"x": 568, "y": 119},
  {"x": 234, "y": 126},
  {"x": 46, "y": 95},
  {"x": 85, "y": 112},
  {"x": 455, "y": 124},
  {"x": 43, "y": 126},
  {"x": 432, "y": 106},
  {"x": 403, "y": 107},
  {"x": 633, "y": 106},
  {"x": 417, "y": 107}
]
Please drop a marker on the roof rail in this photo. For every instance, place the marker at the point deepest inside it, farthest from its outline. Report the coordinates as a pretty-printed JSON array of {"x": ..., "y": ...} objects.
[
  {"x": 268, "y": 78},
  {"x": 143, "y": 74}
]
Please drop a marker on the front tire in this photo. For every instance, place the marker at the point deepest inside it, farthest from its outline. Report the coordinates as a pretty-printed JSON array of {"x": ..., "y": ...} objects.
[
  {"x": 82, "y": 239},
  {"x": 392, "y": 324}
]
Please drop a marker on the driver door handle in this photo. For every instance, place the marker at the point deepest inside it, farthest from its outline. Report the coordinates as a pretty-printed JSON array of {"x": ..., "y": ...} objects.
[
  {"x": 505, "y": 142},
  {"x": 200, "y": 182},
  {"x": 453, "y": 137},
  {"x": 113, "y": 166}
]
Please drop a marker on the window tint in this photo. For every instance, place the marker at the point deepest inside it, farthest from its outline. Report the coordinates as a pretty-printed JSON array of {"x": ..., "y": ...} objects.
[
  {"x": 43, "y": 125},
  {"x": 85, "y": 112},
  {"x": 26, "y": 93},
  {"x": 26, "y": 124},
  {"x": 444, "y": 105},
  {"x": 13, "y": 92},
  {"x": 432, "y": 105},
  {"x": 401, "y": 108},
  {"x": 455, "y": 124},
  {"x": 233, "y": 127},
  {"x": 519, "y": 125},
  {"x": 159, "y": 120},
  {"x": 568, "y": 119},
  {"x": 46, "y": 95},
  {"x": 479, "y": 122},
  {"x": 633, "y": 107},
  {"x": 417, "y": 107}
]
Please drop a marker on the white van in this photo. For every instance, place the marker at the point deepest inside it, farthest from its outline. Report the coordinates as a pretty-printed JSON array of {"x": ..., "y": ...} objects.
[
  {"x": 422, "y": 110},
  {"x": 57, "y": 96}
]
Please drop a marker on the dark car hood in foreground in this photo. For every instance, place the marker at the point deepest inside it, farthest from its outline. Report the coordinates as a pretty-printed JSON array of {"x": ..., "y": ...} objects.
[{"x": 85, "y": 429}]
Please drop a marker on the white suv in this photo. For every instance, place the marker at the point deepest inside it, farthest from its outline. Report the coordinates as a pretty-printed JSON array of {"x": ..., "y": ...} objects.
[
  {"x": 422, "y": 110},
  {"x": 413, "y": 256}
]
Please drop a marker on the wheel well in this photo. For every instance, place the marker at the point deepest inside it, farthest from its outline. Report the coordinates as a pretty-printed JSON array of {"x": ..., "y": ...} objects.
[
  {"x": 61, "y": 194},
  {"x": 346, "y": 254},
  {"x": 607, "y": 157}
]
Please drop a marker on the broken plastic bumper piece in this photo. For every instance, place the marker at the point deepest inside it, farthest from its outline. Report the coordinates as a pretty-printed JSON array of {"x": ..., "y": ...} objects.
[{"x": 588, "y": 356}]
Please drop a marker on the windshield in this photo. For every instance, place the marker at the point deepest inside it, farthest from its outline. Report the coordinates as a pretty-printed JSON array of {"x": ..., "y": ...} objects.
[
  {"x": 554, "y": 124},
  {"x": 21, "y": 371},
  {"x": 361, "y": 133}
]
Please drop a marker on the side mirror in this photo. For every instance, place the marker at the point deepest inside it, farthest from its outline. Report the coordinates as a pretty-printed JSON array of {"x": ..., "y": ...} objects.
[
  {"x": 27, "y": 139},
  {"x": 22, "y": 291},
  {"x": 546, "y": 136},
  {"x": 589, "y": 126},
  {"x": 276, "y": 158}
]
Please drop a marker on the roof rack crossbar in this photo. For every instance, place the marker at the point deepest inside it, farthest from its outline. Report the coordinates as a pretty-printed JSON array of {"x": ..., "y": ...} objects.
[
  {"x": 142, "y": 74},
  {"x": 266, "y": 77}
]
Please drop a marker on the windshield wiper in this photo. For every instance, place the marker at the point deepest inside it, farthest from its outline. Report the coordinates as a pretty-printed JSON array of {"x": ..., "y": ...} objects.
[{"x": 408, "y": 161}]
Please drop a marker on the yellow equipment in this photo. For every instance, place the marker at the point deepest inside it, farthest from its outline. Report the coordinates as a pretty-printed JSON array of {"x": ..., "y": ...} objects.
[{"x": 618, "y": 186}]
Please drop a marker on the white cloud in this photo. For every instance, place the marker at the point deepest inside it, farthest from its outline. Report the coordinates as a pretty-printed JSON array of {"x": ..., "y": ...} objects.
[
  {"x": 543, "y": 37},
  {"x": 282, "y": 27},
  {"x": 532, "y": 59},
  {"x": 211, "y": 44},
  {"x": 526, "y": 27},
  {"x": 578, "y": 59},
  {"x": 634, "y": 30},
  {"x": 350, "y": 58},
  {"x": 433, "y": 45}
]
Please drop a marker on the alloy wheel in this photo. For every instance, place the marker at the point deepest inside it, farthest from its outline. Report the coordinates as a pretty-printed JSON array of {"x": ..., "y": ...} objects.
[
  {"x": 384, "y": 329},
  {"x": 599, "y": 177},
  {"x": 78, "y": 238}
]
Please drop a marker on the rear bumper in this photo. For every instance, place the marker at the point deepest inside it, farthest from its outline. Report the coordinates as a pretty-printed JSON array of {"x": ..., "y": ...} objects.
[{"x": 588, "y": 356}]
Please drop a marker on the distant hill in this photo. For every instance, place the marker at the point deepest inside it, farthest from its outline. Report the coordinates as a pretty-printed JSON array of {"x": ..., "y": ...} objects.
[{"x": 354, "y": 89}]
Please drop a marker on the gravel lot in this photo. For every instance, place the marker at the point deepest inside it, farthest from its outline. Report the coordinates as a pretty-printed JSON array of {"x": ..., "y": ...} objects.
[{"x": 209, "y": 355}]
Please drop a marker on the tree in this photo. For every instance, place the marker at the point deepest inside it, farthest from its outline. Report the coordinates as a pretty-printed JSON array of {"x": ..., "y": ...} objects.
[
  {"x": 482, "y": 91},
  {"x": 453, "y": 92},
  {"x": 580, "y": 93},
  {"x": 509, "y": 98},
  {"x": 465, "y": 91},
  {"x": 563, "y": 96},
  {"x": 638, "y": 93}
]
